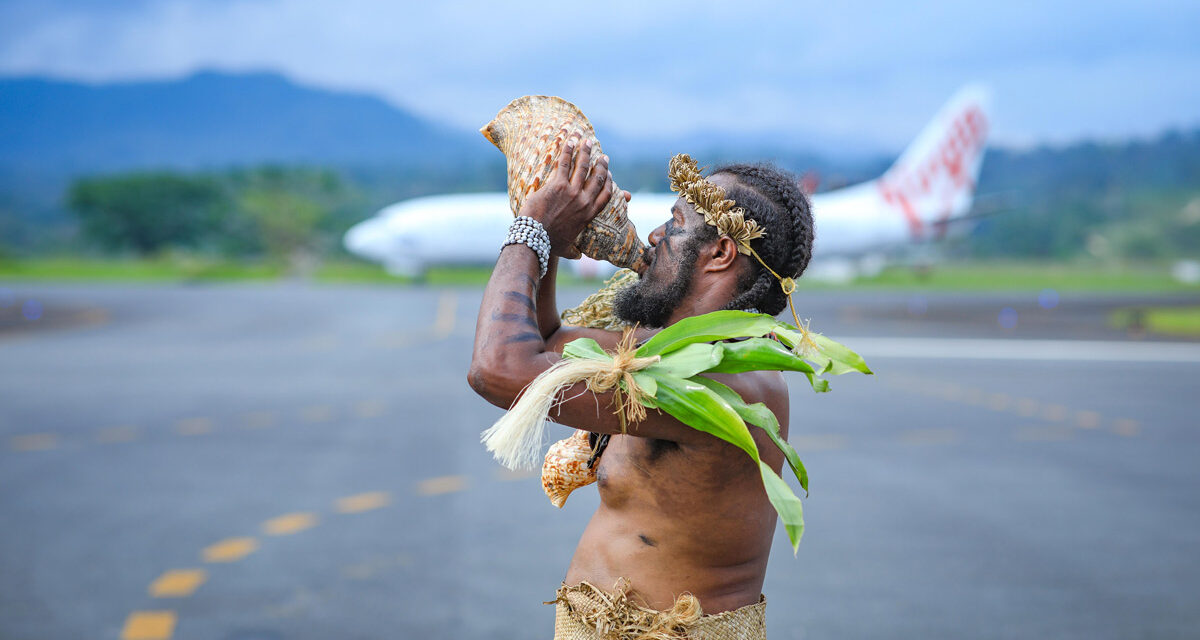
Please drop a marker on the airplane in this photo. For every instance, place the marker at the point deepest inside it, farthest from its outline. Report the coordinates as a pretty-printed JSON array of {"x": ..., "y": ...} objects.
[{"x": 928, "y": 189}]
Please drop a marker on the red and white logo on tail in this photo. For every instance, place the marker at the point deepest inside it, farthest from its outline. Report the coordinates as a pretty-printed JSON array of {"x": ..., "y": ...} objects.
[{"x": 933, "y": 181}]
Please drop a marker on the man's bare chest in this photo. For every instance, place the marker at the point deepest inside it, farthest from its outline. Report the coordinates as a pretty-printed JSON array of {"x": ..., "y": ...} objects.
[{"x": 637, "y": 471}]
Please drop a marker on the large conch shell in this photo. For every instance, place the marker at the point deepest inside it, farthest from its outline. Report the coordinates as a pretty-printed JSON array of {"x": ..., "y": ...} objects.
[
  {"x": 566, "y": 469},
  {"x": 531, "y": 131}
]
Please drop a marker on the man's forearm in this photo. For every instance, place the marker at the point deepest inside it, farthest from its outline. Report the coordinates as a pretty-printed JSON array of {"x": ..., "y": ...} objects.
[
  {"x": 507, "y": 335},
  {"x": 547, "y": 302}
]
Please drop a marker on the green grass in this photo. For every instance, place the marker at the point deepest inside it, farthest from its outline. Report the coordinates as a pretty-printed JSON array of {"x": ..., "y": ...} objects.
[
  {"x": 997, "y": 276},
  {"x": 136, "y": 270},
  {"x": 1178, "y": 321},
  {"x": 992, "y": 276}
]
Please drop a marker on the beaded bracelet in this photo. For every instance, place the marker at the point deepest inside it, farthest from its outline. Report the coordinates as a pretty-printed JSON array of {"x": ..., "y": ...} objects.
[{"x": 529, "y": 232}]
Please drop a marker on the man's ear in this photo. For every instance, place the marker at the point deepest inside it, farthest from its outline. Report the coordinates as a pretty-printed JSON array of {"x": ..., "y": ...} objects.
[{"x": 722, "y": 254}]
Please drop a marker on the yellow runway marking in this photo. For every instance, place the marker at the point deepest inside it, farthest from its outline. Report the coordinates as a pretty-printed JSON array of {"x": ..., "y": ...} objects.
[
  {"x": 363, "y": 502},
  {"x": 317, "y": 413},
  {"x": 261, "y": 419},
  {"x": 1126, "y": 427},
  {"x": 33, "y": 442},
  {"x": 1051, "y": 433},
  {"x": 230, "y": 550},
  {"x": 1087, "y": 419},
  {"x": 443, "y": 324},
  {"x": 149, "y": 625},
  {"x": 973, "y": 397},
  {"x": 818, "y": 442},
  {"x": 194, "y": 427},
  {"x": 929, "y": 436},
  {"x": 116, "y": 434},
  {"x": 1055, "y": 413},
  {"x": 442, "y": 485},
  {"x": 369, "y": 409},
  {"x": 998, "y": 401},
  {"x": 1026, "y": 407},
  {"x": 178, "y": 583},
  {"x": 289, "y": 524}
]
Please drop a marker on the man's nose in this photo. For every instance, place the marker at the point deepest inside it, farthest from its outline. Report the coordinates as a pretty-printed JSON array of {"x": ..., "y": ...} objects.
[{"x": 657, "y": 235}]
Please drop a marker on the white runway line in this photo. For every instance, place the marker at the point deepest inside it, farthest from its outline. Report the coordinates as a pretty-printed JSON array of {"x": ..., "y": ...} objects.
[{"x": 1052, "y": 350}]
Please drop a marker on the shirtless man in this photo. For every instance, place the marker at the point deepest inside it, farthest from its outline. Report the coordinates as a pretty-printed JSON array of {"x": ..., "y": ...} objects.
[{"x": 681, "y": 511}]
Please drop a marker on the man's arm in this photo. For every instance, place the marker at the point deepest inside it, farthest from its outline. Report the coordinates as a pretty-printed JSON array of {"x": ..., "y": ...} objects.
[
  {"x": 549, "y": 321},
  {"x": 510, "y": 347}
]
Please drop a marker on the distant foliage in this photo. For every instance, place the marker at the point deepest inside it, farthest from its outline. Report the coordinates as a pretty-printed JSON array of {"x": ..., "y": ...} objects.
[
  {"x": 1137, "y": 200},
  {"x": 147, "y": 212},
  {"x": 278, "y": 212}
]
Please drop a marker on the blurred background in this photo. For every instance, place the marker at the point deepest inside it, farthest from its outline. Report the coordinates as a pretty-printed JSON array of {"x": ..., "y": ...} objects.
[{"x": 220, "y": 418}]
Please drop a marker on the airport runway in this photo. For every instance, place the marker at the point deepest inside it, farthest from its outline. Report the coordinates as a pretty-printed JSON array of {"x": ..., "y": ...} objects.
[{"x": 258, "y": 462}]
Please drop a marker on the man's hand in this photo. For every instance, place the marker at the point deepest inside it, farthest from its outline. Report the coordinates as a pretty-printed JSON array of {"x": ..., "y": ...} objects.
[{"x": 571, "y": 197}]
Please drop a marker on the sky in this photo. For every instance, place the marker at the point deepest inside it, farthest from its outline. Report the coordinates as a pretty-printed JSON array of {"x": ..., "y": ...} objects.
[{"x": 868, "y": 73}]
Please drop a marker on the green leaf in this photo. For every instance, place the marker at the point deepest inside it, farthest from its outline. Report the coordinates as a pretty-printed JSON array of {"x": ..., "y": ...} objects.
[
  {"x": 585, "y": 348},
  {"x": 647, "y": 382},
  {"x": 688, "y": 361},
  {"x": 758, "y": 414},
  {"x": 709, "y": 327},
  {"x": 700, "y": 408},
  {"x": 831, "y": 357},
  {"x": 791, "y": 512},
  {"x": 757, "y": 354},
  {"x": 839, "y": 353}
]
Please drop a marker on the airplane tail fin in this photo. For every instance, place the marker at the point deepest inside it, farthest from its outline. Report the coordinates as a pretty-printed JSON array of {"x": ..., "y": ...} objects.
[{"x": 933, "y": 181}]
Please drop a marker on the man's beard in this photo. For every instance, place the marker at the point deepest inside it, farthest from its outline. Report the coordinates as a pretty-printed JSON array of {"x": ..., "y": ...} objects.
[{"x": 642, "y": 304}]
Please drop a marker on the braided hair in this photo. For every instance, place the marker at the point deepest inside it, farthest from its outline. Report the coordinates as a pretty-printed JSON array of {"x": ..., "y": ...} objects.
[{"x": 772, "y": 198}]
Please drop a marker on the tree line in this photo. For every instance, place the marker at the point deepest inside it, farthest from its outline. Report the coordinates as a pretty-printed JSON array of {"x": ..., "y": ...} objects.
[
  {"x": 1135, "y": 200},
  {"x": 273, "y": 212}
]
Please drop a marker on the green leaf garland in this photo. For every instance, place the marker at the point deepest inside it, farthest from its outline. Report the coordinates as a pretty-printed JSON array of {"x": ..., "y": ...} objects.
[{"x": 734, "y": 342}]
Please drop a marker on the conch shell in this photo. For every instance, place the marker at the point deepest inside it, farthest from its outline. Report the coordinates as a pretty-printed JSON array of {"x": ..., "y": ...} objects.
[
  {"x": 566, "y": 469},
  {"x": 532, "y": 131}
]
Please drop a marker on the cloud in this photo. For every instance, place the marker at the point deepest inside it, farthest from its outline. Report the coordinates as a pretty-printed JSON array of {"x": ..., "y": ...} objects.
[{"x": 871, "y": 70}]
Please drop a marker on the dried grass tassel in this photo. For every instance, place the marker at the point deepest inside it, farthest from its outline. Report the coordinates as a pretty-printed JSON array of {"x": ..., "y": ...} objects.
[
  {"x": 596, "y": 311},
  {"x": 516, "y": 439}
]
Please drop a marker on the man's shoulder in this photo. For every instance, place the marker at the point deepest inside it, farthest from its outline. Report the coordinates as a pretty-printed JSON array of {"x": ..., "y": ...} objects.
[{"x": 755, "y": 386}]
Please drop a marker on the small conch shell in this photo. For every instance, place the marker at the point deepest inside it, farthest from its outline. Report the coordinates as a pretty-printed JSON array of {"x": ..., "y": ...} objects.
[
  {"x": 531, "y": 131},
  {"x": 565, "y": 469}
]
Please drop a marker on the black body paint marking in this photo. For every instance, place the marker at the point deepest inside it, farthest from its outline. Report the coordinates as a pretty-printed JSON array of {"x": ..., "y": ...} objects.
[
  {"x": 522, "y": 298},
  {"x": 523, "y": 337},
  {"x": 515, "y": 317},
  {"x": 533, "y": 284},
  {"x": 648, "y": 541}
]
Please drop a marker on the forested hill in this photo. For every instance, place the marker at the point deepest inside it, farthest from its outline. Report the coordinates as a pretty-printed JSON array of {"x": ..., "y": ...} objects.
[
  {"x": 1171, "y": 160},
  {"x": 206, "y": 120},
  {"x": 1136, "y": 199}
]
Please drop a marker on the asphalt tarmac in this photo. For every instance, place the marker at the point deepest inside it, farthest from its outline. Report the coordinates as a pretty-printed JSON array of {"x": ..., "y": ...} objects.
[{"x": 254, "y": 462}]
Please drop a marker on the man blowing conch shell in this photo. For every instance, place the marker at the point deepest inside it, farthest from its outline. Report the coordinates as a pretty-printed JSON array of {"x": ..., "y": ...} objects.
[{"x": 679, "y": 544}]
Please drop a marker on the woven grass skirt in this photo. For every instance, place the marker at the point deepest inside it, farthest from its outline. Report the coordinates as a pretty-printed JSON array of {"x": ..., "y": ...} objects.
[{"x": 584, "y": 612}]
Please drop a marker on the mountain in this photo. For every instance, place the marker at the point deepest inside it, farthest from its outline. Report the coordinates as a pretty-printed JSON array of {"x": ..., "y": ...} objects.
[{"x": 209, "y": 119}]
